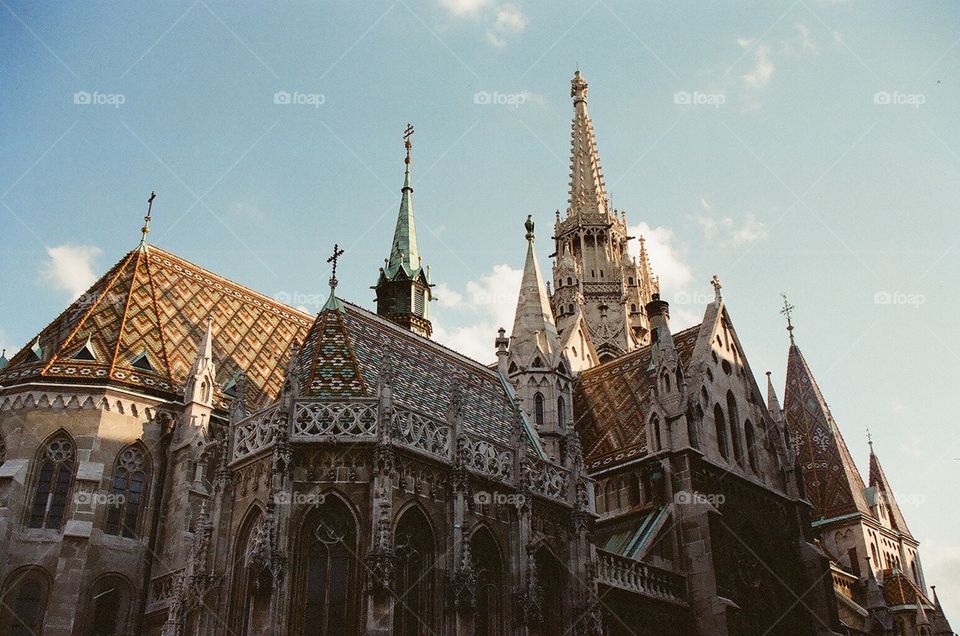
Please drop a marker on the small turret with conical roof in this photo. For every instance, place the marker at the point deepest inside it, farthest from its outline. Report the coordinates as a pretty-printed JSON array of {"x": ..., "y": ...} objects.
[{"x": 403, "y": 287}]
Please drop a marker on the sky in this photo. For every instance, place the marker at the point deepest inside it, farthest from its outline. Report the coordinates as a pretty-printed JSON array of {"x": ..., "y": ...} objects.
[{"x": 808, "y": 147}]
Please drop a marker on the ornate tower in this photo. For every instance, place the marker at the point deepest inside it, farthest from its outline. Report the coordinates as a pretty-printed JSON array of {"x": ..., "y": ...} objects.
[
  {"x": 593, "y": 271},
  {"x": 403, "y": 288},
  {"x": 535, "y": 363}
]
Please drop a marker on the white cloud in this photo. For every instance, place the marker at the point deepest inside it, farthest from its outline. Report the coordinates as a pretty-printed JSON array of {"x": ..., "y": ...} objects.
[
  {"x": 714, "y": 227},
  {"x": 468, "y": 321},
  {"x": 763, "y": 68},
  {"x": 70, "y": 267},
  {"x": 676, "y": 277},
  {"x": 509, "y": 22},
  {"x": 464, "y": 7},
  {"x": 751, "y": 231}
]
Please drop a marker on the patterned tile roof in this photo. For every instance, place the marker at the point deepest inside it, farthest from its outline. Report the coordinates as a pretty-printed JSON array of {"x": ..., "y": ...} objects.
[
  {"x": 878, "y": 480},
  {"x": 898, "y": 589},
  {"x": 833, "y": 483},
  {"x": 143, "y": 322},
  {"x": 358, "y": 340},
  {"x": 611, "y": 402}
]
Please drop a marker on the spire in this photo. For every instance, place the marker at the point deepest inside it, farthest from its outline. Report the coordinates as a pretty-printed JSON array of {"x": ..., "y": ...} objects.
[
  {"x": 333, "y": 303},
  {"x": 833, "y": 484},
  {"x": 533, "y": 326},
  {"x": 788, "y": 312},
  {"x": 884, "y": 492},
  {"x": 588, "y": 192},
  {"x": 403, "y": 287},
  {"x": 941, "y": 626},
  {"x": 205, "y": 350},
  {"x": 921, "y": 618},
  {"x": 773, "y": 404},
  {"x": 404, "y": 251},
  {"x": 203, "y": 373},
  {"x": 146, "y": 220}
]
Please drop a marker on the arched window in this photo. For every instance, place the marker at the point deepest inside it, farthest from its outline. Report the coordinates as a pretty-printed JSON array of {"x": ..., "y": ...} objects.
[
  {"x": 57, "y": 462},
  {"x": 487, "y": 564},
  {"x": 693, "y": 427},
  {"x": 561, "y": 413},
  {"x": 751, "y": 447},
  {"x": 24, "y": 602},
  {"x": 108, "y": 606},
  {"x": 538, "y": 408},
  {"x": 415, "y": 574},
  {"x": 570, "y": 309},
  {"x": 734, "y": 427},
  {"x": 657, "y": 441},
  {"x": 550, "y": 575},
  {"x": 721, "y": 430},
  {"x": 131, "y": 480},
  {"x": 327, "y": 596},
  {"x": 249, "y": 601}
]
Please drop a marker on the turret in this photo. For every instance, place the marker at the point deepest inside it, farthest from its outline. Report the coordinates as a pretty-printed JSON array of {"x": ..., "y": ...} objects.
[{"x": 403, "y": 287}]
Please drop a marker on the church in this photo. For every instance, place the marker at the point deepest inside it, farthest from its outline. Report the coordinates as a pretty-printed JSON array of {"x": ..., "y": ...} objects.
[{"x": 183, "y": 456}]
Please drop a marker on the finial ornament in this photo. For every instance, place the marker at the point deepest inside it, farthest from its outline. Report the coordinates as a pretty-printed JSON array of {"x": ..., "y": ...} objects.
[
  {"x": 529, "y": 226},
  {"x": 715, "y": 281},
  {"x": 869, "y": 440},
  {"x": 337, "y": 253},
  {"x": 578, "y": 88},
  {"x": 407, "y": 133},
  {"x": 788, "y": 312},
  {"x": 146, "y": 220}
]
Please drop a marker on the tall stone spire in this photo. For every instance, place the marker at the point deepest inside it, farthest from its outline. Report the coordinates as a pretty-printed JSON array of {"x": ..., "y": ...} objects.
[
  {"x": 588, "y": 192},
  {"x": 773, "y": 403},
  {"x": 403, "y": 287},
  {"x": 202, "y": 377},
  {"x": 533, "y": 327},
  {"x": 883, "y": 492}
]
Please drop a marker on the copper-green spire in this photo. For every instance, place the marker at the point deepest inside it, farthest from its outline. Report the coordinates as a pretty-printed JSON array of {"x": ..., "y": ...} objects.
[{"x": 404, "y": 252}]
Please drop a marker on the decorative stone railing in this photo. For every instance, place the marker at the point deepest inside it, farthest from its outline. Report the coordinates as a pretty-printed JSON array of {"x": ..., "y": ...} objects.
[
  {"x": 627, "y": 574},
  {"x": 162, "y": 590},
  {"x": 417, "y": 431},
  {"x": 488, "y": 459},
  {"x": 256, "y": 431},
  {"x": 547, "y": 479},
  {"x": 354, "y": 419}
]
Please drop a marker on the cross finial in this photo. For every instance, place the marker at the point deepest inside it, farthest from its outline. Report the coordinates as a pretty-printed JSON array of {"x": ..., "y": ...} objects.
[
  {"x": 146, "y": 220},
  {"x": 870, "y": 440},
  {"x": 788, "y": 312},
  {"x": 407, "y": 133},
  {"x": 337, "y": 253},
  {"x": 715, "y": 281}
]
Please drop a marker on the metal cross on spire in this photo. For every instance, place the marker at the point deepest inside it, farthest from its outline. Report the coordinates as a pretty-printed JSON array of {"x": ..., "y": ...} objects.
[
  {"x": 337, "y": 253},
  {"x": 146, "y": 220},
  {"x": 870, "y": 440},
  {"x": 407, "y": 133},
  {"x": 788, "y": 312}
]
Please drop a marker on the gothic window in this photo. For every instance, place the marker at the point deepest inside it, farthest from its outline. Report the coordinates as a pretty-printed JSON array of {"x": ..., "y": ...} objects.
[
  {"x": 24, "y": 603},
  {"x": 131, "y": 480},
  {"x": 418, "y": 302},
  {"x": 751, "y": 447},
  {"x": 569, "y": 280},
  {"x": 56, "y": 462},
  {"x": 561, "y": 413},
  {"x": 570, "y": 309},
  {"x": 327, "y": 599},
  {"x": 249, "y": 604},
  {"x": 538, "y": 408},
  {"x": 109, "y": 601},
  {"x": 631, "y": 280},
  {"x": 657, "y": 441},
  {"x": 550, "y": 576},
  {"x": 488, "y": 568},
  {"x": 721, "y": 431},
  {"x": 416, "y": 558},
  {"x": 734, "y": 427}
]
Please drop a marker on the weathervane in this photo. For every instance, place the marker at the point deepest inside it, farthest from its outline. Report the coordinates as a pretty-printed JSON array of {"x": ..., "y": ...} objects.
[
  {"x": 788, "y": 312},
  {"x": 146, "y": 220}
]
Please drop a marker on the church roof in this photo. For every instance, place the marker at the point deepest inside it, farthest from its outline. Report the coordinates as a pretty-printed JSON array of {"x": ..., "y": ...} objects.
[
  {"x": 614, "y": 402},
  {"x": 833, "y": 483},
  {"x": 898, "y": 589},
  {"x": 141, "y": 324},
  {"x": 345, "y": 352},
  {"x": 878, "y": 480},
  {"x": 533, "y": 327}
]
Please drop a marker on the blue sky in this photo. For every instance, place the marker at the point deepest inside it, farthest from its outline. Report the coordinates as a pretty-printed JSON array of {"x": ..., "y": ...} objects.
[{"x": 819, "y": 154}]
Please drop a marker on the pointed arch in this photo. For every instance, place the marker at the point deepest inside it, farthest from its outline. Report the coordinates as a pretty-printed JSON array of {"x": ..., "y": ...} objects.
[
  {"x": 734, "y": 418},
  {"x": 55, "y": 466},
  {"x": 538, "y": 408},
  {"x": 561, "y": 413},
  {"x": 23, "y": 605},
  {"x": 326, "y": 578},
  {"x": 247, "y": 604},
  {"x": 551, "y": 577},
  {"x": 721, "y": 426},
  {"x": 657, "y": 434},
  {"x": 108, "y": 606},
  {"x": 416, "y": 573},
  {"x": 132, "y": 471},
  {"x": 488, "y": 566},
  {"x": 751, "y": 440}
]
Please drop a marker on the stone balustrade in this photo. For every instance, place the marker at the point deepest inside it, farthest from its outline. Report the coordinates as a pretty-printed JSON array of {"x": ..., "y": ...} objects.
[{"x": 634, "y": 576}]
